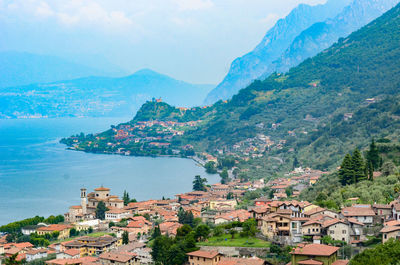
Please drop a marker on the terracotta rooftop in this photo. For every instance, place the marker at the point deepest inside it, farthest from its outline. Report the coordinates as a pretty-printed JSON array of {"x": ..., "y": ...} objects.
[
  {"x": 203, "y": 254},
  {"x": 241, "y": 261},
  {"x": 102, "y": 189},
  {"x": 119, "y": 257},
  {"x": 54, "y": 227},
  {"x": 388, "y": 229},
  {"x": 72, "y": 252},
  {"x": 315, "y": 250},
  {"x": 360, "y": 210},
  {"x": 310, "y": 262}
]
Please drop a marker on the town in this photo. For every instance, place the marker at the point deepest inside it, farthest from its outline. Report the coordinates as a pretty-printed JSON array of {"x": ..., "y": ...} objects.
[{"x": 230, "y": 224}]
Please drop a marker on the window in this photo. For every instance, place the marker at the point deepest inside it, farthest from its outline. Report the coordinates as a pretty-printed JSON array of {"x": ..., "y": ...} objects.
[
  {"x": 385, "y": 236},
  {"x": 343, "y": 231}
]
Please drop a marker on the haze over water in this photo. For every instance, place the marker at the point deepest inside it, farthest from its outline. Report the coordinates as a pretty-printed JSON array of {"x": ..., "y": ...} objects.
[{"x": 38, "y": 176}]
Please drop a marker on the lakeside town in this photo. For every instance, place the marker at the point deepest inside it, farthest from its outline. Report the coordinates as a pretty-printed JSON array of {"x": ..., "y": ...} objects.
[{"x": 229, "y": 223}]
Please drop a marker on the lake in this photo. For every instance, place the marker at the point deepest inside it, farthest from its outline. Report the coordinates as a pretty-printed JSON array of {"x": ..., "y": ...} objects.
[{"x": 38, "y": 176}]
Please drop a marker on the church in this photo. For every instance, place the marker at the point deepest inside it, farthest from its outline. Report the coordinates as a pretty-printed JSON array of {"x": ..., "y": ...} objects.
[{"x": 89, "y": 202}]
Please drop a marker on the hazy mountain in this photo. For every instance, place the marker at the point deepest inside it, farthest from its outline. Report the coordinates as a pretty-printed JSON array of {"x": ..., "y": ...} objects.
[
  {"x": 97, "y": 96},
  {"x": 317, "y": 112},
  {"x": 302, "y": 34},
  {"x": 21, "y": 68},
  {"x": 322, "y": 35}
]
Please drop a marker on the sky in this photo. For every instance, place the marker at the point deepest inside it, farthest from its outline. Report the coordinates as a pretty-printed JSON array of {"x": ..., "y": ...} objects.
[{"x": 190, "y": 40}]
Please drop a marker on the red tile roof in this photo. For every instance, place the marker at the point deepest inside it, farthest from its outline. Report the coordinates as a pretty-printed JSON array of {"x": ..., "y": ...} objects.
[
  {"x": 102, "y": 189},
  {"x": 315, "y": 250},
  {"x": 72, "y": 252},
  {"x": 362, "y": 210},
  {"x": 119, "y": 257},
  {"x": 54, "y": 227},
  {"x": 203, "y": 254},
  {"x": 310, "y": 262}
]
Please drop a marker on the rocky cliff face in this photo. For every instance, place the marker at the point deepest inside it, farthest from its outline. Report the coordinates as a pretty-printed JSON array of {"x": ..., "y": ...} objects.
[{"x": 306, "y": 31}]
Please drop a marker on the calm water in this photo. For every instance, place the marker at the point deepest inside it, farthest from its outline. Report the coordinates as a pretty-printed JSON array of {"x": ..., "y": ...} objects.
[{"x": 39, "y": 177}]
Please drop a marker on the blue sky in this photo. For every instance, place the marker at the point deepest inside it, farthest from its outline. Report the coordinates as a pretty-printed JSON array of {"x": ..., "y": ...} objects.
[{"x": 191, "y": 40}]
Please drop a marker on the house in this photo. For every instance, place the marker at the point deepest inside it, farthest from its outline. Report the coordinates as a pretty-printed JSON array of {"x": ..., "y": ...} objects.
[
  {"x": 93, "y": 245},
  {"x": 383, "y": 211},
  {"x": 223, "y": 205},
  {"x": 262, "y": 201},
  {"x": 315, "y": 254},
  {"x": 29, "y": 229},
  {"x": 276, "y": 225},
  {"x": 33, "y": 254},
  {"x": 338, "y": 229},
  {"x": 169, "y": 228},
  {"x": 237, "y": 215},
  {"x": 362, "y": 213},
  {"x": 81, "y": 261},
  {"x": 63, "y": 230},
  {"x": 139, "y": 224},
  {"x": 72, "y": 253},
  {"x": 312, "y": 228},
  {"x": 241, "y": 261},
  {"x": 390, "y": 231},
  {"x": 201, "y": 257},
  {"x": 117, "y": 214},
  {"x": 118, "y": 258},
  {"x": 396, "y": 211}
]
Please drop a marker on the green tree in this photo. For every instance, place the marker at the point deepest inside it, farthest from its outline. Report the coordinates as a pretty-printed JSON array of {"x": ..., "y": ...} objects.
[
  {"x": 232, "y": 232},
  {"x": 358, "y": 166},
  {"x": 184, "y": 230},
  {"x": 370, "y": 171},
  {"x": 156, "y": 232},
  {"x": 346, "y": 173},
  {"x": 202, "y": 232},
  {"x": 229, "y": 196},
  {"x": 373, "y": 155},
  {"x": 199, "y": 183},
  {"x": 289, "y": 191},
  {"x": 12, "y": 260},
  {"x": 126, "y": 198},
  {"x": 125, "y": 238},
  {"x": 224, "y": 176},
  {"x": 210, "y": 167},
  {"x": 101, "y": 210},
  {"x": 73, "y": 232}
]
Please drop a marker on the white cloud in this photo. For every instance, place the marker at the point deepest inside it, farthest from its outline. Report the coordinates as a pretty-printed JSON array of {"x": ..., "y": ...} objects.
[
  {"x": 190, "y": 5},
  {"x": 270, "y": 19},
  {"x": 44, "y": 10}
]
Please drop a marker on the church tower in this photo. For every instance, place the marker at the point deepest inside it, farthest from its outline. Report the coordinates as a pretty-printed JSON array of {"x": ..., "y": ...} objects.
[{"x": 83, "y": 200}]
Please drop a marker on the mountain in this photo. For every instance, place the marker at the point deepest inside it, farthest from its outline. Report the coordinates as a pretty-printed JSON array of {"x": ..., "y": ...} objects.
[
  {"x": 302, "y": 34},
  {"x": 21, "y": 68},
  {"x": 97, "y": 96},
  {"x": 314, "y": 114}
]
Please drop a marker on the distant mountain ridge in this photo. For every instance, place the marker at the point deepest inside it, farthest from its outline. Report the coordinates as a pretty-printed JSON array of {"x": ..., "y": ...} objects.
[
  {"x": 22, "y": 68},
  {"x": 306, "y": 31},
  {"x": 97, "y": 96},
  {"x": 320, "y": 110}
]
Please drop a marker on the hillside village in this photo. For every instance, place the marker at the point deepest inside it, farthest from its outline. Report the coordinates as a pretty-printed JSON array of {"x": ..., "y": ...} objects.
[{"x": 125, "y": 234}]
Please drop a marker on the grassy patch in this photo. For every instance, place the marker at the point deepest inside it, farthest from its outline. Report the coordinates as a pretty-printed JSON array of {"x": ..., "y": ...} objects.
[
  {"x": 95, "y": 234},
  {"x": 227, "y": 241}
]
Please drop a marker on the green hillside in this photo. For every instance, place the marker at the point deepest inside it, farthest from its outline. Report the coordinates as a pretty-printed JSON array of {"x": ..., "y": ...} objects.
[{"x": 317, "y": 112}]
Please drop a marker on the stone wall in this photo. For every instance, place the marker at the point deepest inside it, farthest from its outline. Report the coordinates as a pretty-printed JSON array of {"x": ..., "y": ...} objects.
[{"x": 238, "y": 251}]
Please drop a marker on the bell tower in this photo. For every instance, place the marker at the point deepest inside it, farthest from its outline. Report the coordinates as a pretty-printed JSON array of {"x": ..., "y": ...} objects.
[{"x": 83, "y": 200}]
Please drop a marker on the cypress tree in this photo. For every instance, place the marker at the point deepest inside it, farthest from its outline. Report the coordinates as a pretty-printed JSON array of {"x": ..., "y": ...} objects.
[
  {"x": 370, "y": 171},
  {"x": 358, "y": 166},
  {"x": 373, "y": 155},
  {"x": 346, "y": 171}
]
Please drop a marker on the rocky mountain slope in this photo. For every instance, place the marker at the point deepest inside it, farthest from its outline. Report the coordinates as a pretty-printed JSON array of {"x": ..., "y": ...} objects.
[{"x": 302, "y": 34}]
